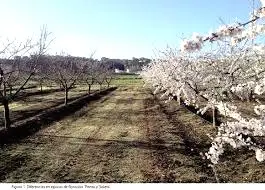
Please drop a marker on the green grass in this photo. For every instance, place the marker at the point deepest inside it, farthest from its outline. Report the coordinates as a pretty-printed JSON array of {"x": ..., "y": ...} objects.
[
  {"x": 126, "y": 79},
  {"x": 126, "y": 75}
]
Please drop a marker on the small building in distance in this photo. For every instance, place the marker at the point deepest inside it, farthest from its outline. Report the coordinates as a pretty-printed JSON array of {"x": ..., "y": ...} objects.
[{"x": 119, "y": 71}]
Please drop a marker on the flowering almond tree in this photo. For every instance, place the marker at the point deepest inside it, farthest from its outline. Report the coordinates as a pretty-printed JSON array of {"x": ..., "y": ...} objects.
[{"x": 234, "y": 68}]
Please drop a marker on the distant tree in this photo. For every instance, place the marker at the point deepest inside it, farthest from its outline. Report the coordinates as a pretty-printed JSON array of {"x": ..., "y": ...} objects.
[
  {"x": 109, "y": 77},
  {"x": 89, "y": 73},
  {"x": 136, "y": 64},
  {"x": 101, "y": 73},
  {"x": 117, "y": 65},
  {"x": 42, "y": 72},
  {"x": 65, "y": 71}
]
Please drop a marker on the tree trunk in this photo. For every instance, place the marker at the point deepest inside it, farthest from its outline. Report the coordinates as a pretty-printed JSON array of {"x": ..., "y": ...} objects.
[
  {"x": 214, "y": 116},
  {"x": 65, "y": 96},
  {"x": 250, "y": 96},
  {"x": 179, "y": 102},
  {"x": 89, "y": 88},
  {"x": 41, "y": 87},
  {"x": 10, "y": 90},
  {"x": 6, "y": 114}
]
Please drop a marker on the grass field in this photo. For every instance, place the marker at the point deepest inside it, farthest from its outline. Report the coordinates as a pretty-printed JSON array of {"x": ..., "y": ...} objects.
[
  {"x": 31, "y": 105},
  {"x": 127, "y": 79},
  {"x": 126, "y": 136}
]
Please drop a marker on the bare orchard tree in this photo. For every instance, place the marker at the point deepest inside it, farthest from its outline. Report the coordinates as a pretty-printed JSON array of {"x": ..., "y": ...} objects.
[
  {"x": 14, "y": 73},
  {"x": 16, "y": 70},
  {"x": 65, "y": 71},
  {"x": 109, "y": 76},
  {"x": 106, "y": 71},
  {"x": 42, "y": 72},
  {"x": 89, "y": 73},
  {"x": 102, "y": 74}
]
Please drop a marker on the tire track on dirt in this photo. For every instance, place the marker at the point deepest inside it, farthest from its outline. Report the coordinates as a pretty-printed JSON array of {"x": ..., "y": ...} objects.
[{"x": 185, "y": 164}]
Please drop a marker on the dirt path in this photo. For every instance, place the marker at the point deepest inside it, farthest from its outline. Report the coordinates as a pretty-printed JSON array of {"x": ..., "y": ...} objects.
[{"x": 124, "y": 137}]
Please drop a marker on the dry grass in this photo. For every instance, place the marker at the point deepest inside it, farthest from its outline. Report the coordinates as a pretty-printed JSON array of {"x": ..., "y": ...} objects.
[
  {"x": 127, "y": 136},
  {"x": 28, "y": 106}
]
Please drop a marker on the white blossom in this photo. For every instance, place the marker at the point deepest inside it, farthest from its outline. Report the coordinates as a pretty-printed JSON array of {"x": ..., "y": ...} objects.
[
  {"x": 259, "y": 109},
  {"x": 260, "y": 155},
  {"x": 215, "y": 79}
]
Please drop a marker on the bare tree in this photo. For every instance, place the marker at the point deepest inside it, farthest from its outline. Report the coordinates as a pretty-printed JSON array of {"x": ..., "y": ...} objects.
[
  {"x": 101, "y": 73},
  {"x": 42, "y": 74},
  {"x": 100, "y": 80},
  {"x": 65, "y": 71},
  {"x": 15, "y": 70},
  {"x": 109, "y": 77},
  {"x": 89, "y": 73}
]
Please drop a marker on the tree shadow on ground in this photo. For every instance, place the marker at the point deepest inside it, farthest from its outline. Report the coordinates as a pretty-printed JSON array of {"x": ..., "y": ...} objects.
[{"x": 31, "y": 125}]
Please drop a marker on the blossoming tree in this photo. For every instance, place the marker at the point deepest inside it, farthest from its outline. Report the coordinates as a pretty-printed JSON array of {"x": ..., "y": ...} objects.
[{"x": 233, "y": 68}]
